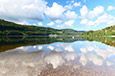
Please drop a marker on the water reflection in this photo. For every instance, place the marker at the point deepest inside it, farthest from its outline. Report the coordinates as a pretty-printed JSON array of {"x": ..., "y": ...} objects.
[
  {"x": 26, "y": 63},
  {"x": 75, "y": 58}
]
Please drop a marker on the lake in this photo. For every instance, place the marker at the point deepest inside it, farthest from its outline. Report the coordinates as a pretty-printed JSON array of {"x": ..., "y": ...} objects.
[{"x": 44, "y": 56}]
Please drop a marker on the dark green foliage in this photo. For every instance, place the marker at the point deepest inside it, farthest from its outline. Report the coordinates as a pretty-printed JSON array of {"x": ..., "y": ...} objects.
[
  {"x": 10, "y": 28},
  {"x": 104, "y": 32}
]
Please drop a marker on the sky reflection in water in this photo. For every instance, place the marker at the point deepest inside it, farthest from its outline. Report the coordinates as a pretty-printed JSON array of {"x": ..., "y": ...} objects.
[{"x": 32, "y": 60}]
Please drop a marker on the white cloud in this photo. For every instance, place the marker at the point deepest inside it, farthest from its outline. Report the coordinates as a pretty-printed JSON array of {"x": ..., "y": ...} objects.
[
  {"x": 55, "y": 12},
  {"x": 59, "y": 26},
  {"x": 98, "y": 10},
  {"x": 51, "y": 23},
  {"x": 84, "y": 11},
  {"x": 66, "y": 24},
  {"x": 84, "y": 21},
  {"x": 69, "y": 23},
  {"x": 72, "y": 1},
  {"x": 22, "y": 10},
  {"x": 77, "y": 4},
  {"x": 68, "y": 6},
  {"x": 23, "y": 22},
  {"x": 34, "y": 24},
  {"x": 71, "y": 15},
  {"x": 40, "y": 23},
  {"x": 90, "y": 23},
  {"x": 105, "y": 18},
  {"x": 110, "y": 8},
  {"x": 111, "y": 22},
  {"x": 99, "y": 14},
  {"x": 58, "y": 21},
  {"x": 87, "y": 22}
]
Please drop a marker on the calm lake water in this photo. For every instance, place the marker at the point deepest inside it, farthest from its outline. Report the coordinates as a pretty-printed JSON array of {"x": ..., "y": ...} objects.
[{"x": 57, "y": 57}]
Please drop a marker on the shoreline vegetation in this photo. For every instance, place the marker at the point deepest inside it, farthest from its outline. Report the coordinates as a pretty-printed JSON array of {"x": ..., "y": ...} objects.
[
  {"x": 12, "y": 29},
  {"x": 106, "y": 32},
  {"x": 14, "y": 35},
  {"x": 8, "y": 43}
]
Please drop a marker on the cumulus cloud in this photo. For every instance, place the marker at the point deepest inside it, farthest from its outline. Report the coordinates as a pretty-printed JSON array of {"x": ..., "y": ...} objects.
[
  {"x": 71, "y": 15},
  {"x": 87, "y": 22},
  {"x": 96, "y": 12},
  {"x": 69, "y": 23},
  {"x": 21, "y": 10},
  {"x": 105, "y": 18},
  {"x": 66, "y": 24},
  {"x": 101, "y": 17},
  {"x": 51, "y": 23},
  {"x": 58, "y": 21},
  {"x": 90, "y": 23},
  {"x": 23, "y": 23},
  {"x": 68, "y": 7},
  {"x": 84, "y": 21},
  {"x": 84, "y": 11},
  {"x": 110, "y": 8},
  {"x": 40, "y": 23},
  {"x": 55, "y": 12},
  {"x": 77, "y": 4}
]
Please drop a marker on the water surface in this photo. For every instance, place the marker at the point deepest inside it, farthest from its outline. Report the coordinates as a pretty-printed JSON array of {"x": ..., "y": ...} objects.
[{"x": 56, "y": 57}]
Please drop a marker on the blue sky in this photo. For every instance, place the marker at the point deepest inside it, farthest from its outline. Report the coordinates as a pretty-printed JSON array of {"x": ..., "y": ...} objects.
[{"x": 76, "y": 14}]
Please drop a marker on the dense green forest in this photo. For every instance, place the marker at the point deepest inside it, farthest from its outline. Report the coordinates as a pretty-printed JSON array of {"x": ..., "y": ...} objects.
[
  {"x": 108, "y": 31},
  {"x": 12, "y": 29}
]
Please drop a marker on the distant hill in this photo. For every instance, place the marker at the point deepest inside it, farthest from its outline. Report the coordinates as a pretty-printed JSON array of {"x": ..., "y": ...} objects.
[
  {"x": 10, "y": 29},
  {"x": 108, "y": 31}
]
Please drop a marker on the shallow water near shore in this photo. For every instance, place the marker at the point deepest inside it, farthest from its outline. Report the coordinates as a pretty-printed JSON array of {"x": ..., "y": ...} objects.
[{"x": 56, "y": 57}]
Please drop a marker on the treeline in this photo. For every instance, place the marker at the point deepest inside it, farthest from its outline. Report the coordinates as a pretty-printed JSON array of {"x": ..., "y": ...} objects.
[
  {"x": 108, "y": 31},
  {"x": 9, "y": 28}
]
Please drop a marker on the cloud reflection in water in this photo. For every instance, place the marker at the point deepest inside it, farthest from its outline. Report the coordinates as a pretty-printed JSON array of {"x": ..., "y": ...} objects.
[{"x": 32, "y": 60}]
